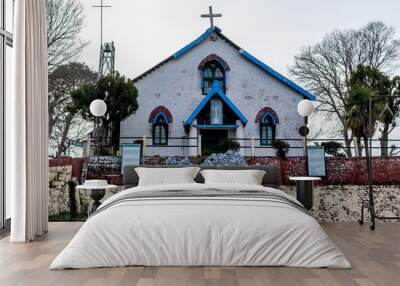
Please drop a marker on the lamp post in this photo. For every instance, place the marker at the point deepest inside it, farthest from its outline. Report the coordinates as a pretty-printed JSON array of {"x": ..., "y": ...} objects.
[
  {"x": 98, "y": 108},
  {"x": 305, "y": 108},
  {"x": 368, "y": 153}
]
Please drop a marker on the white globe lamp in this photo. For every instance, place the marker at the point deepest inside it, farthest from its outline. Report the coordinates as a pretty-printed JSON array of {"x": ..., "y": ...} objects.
[
  {"x": 305, "y": 107},
  {"x": 98, "y": 107}
]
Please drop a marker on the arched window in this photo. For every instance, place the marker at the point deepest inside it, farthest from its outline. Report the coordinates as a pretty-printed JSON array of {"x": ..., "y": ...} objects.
[
  {"x": 213, "y": 70},
  {"x": 160, "y": 129},
  {"x": 267, "y": 129}
]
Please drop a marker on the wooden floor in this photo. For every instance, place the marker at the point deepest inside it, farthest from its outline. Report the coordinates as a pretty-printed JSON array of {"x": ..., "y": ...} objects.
[{"x": 375, "y": 257}]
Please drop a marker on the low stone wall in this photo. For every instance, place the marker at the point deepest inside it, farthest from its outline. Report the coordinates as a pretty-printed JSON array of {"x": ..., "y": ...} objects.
[
  {"x": 339, "y": 170},
  {"x": 386, "y": 170},
  {"x": 103, "y": 167},
  {"x": 342, "y": 203},
  {"x": 64, "y": 171},
  {"x": 337, "y": 198},
  {"x": 58, "y": 189},
  {"x": 158, "y": 160},
  {"x": 62, "y": 196},
  {"x": 76, "y": 164}
]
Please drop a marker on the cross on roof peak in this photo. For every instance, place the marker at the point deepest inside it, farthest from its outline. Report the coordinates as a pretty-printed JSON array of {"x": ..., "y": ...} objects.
[{"x": 211, "y": 16}]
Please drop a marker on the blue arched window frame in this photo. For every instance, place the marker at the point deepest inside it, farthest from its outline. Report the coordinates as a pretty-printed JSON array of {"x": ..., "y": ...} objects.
[
  {"x": 160, "y": 129},
  {"x": 209, "y": 74},
  {"x": 267, "y": 129}
]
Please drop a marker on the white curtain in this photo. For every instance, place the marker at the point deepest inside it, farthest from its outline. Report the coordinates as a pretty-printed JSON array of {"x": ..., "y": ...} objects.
[{"x": 27, "y": 121}]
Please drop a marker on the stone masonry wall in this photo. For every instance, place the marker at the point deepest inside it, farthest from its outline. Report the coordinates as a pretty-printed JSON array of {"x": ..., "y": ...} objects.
[
  {"x": 58, "y": 189},
  {"x": 63, "y": 171},
  {"x": 103, "y": 167},
  {"x": 342, "y": 203},
  {"x": 338, "y": 198},
  {"x": 340, "y": 171}
]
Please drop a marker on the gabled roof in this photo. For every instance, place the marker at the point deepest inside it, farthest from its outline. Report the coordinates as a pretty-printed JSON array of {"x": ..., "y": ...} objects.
[
  {"x": 277, "y": 75},
  {"x": 179, "y": 53},
  {"x": 242, "y": 52},
  {"x": 216, "y": 90},
  {"x": 191, "y": 45}
]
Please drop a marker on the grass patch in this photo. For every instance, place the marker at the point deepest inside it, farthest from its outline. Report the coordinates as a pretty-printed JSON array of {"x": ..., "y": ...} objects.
[{"x": 66, "y": 216}]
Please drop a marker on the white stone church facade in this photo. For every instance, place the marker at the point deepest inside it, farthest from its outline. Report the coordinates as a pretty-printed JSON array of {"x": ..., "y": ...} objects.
[{"x": 215, "y": 89}]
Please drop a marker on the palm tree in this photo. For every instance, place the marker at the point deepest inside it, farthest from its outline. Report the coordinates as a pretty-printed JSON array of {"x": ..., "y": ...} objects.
[
  {"x": 357, "y": 113},
  {"x": 390, "y": 113},
  {"x": 367, "y": 82}
]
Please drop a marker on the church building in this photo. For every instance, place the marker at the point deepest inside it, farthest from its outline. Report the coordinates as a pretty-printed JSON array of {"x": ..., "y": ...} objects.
[{"x": 214, "y": 88}]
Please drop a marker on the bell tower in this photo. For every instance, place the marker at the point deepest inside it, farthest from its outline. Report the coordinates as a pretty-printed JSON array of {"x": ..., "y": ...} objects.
[{"x": 107, "y": 59}]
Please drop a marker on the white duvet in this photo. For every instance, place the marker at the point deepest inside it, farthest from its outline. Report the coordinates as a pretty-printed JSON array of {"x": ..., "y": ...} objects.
[{"x": 203, "y": 232}]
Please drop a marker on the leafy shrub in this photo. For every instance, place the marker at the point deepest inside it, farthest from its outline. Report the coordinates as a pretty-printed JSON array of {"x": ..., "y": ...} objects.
[
  {"x": 228, "y": 144},
  {"x": 332, "y": 147},
  {"x": 67, "y": 216},
  {"x": 281, "y": 148},
  {"x": 105, "y": 151}
]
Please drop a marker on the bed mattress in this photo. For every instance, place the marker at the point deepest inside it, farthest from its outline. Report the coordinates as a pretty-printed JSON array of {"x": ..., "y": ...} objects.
[{"x": 201, "y": 225}]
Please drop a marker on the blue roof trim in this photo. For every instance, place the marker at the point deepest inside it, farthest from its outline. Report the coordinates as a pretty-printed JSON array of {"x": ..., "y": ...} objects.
[
  {"x": 277, "y": 75},
  {"x": 245, "y": 54},
  {"x": 270, "y": 115},
  {"x": 216, "y": 126},
  {"x": 216, "y": 89},
  {"x": 158, "y": 115},
  {"x": 191, "y": 45}
]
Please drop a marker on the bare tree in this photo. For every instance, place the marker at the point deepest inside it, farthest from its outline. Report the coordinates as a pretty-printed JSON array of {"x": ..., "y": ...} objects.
[
  {"x": 325, "y": 69},
  {"x": 71, "y": 130},
  {"x": 64, "y": 125},
  {"x": 64, "y": 23}
]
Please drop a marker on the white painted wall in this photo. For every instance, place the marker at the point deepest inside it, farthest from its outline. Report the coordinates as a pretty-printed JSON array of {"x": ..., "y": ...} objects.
[{"x": 177, "y": 86}]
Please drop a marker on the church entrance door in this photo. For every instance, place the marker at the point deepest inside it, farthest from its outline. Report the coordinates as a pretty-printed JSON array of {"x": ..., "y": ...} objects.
[{"x": 212, "y": 141}]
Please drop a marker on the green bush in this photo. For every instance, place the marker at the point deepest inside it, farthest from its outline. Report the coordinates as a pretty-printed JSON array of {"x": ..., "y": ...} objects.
[
  {"x": 281, "y": 148},
  {"x": 105, "y": 150},
  {"x": 228, "y": 144},
  {"x": 67, "y": 216},
  {"x": 332, "y": 148}
]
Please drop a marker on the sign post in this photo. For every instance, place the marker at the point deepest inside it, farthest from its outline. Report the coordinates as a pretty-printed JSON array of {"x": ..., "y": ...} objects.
[
  {"x": 131, "y": 155},
  {"x": 316, "y": 161}
]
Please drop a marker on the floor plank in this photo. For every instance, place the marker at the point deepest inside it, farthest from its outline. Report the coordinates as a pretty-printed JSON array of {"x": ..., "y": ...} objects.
[{"x": 375, "y": 257}]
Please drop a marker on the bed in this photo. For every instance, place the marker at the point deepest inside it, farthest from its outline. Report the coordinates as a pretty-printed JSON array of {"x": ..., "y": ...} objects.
[{"x": 201, "y": 224}]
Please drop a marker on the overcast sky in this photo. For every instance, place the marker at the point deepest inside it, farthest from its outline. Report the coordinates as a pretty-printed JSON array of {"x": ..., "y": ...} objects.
[{"x": 145, "y": 32}]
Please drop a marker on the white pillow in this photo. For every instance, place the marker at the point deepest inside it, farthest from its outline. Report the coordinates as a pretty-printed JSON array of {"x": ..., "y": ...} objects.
[
  {"x": 166, "y": 176},
  {"x": 248, "y": 177}
]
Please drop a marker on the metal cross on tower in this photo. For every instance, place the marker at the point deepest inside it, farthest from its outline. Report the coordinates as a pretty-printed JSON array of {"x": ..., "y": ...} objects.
[
  {"x": 211, "y": 16},
  {"x": 107, "y": 50},
  {"x": 101, "y": 6}
]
